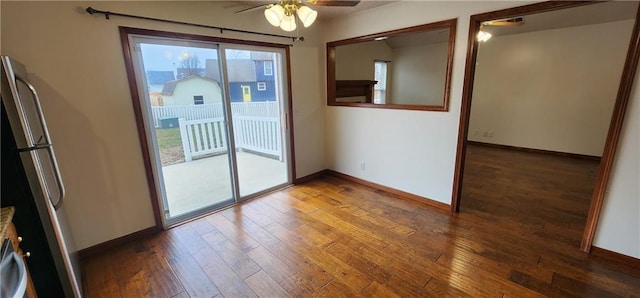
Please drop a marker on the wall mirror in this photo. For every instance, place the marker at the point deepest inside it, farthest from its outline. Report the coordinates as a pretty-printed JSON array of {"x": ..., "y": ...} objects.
[{"x": 407, "y": 68}]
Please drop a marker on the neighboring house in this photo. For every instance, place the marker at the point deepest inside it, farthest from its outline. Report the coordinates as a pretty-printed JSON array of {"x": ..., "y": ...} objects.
[
  {"x": 249, "y": 79},
  {"x": 155, "y": 82},
  {"x": 157, "y": 78},
  {"x": 156, "y": 98},
  {"x": 193, "y": 90}
]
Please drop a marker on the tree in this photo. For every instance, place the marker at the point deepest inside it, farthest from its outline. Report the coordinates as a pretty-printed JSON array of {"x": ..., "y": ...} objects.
[{"x": 190, "y": 65}]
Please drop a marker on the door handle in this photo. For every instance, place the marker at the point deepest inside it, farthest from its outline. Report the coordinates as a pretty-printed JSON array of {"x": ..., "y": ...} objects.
[
  {"x": 61, "y": 190},
  {"x": 36, "y": 100},
  {"x": 47, "y": 139}
]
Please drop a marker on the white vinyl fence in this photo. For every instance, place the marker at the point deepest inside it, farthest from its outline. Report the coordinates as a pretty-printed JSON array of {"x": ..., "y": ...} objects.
[
  {"x": 259, "y": 134},
  {"x": 212, "y": 111},
  {"x": 208, "y": 136},
  {"x": 200, "y": 137}
]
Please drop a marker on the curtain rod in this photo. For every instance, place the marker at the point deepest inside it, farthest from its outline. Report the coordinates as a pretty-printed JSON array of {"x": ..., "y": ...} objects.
[{"x": 107, "y": 14}]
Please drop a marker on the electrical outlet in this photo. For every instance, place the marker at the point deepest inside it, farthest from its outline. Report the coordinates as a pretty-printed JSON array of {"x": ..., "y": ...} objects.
[
  {"x": 485, "y": 134},
  {"x": 490, "y": 134},
  {"x": 362, "y": 166}
]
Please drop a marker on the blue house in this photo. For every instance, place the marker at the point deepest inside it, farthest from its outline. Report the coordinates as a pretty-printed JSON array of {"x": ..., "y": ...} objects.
[{"x": 250, "y": 80}]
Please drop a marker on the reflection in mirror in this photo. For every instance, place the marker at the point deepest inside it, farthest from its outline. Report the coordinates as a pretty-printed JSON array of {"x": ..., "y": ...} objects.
[{"x": 402, "y": 69}]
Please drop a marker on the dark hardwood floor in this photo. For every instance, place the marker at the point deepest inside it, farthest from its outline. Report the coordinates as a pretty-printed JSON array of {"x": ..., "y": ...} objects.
[{"x": 517, "y": 235}]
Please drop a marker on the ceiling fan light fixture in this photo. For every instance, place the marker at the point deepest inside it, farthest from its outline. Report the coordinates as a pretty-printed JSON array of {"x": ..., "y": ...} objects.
[
  {"x": 306, "y": 15},
  {"x": 274, "y": 15},
  {"x": 288, "y": 23}
]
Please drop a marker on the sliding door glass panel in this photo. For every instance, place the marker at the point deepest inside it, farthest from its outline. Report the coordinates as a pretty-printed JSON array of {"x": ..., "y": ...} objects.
[
  {"x": 256, "y": 90},
  {"x": 185, "y": 113}
]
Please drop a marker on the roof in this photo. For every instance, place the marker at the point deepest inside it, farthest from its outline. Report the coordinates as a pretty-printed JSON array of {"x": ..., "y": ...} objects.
[
  {"x": 241, "y": 70},
  {"x": 159, "y": 77},
  {"x": 170, "y": 87},
  {"x": 185, "y": 72}
]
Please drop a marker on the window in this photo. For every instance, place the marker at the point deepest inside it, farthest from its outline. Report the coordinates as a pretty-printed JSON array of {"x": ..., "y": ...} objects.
[
  {"x": 268, "y": 68},
  {"x": 380, "y": 88},
  {"x": 262, "y": 86},
  {"x": 198, "y": 99}
]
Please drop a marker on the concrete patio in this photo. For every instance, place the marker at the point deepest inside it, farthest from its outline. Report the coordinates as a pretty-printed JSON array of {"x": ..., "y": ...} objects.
[{"x": 203, "y": 182}]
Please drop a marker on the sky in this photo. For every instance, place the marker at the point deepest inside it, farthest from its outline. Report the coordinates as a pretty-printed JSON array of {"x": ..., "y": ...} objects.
[{"x": 165, "y": 57}]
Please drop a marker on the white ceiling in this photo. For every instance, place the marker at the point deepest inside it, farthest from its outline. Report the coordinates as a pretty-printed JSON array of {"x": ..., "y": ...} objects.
[
  {"x": 328, "y": 12},
  {"x": 324, "y": 12},
  {"x": 578, "y": 16}
]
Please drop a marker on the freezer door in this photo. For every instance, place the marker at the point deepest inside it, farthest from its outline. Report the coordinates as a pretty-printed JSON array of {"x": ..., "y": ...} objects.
[{"x": 48, "y": 192}]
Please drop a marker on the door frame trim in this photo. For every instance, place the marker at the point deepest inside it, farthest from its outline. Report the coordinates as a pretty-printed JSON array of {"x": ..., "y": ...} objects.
[
  {"x": 138, "y": 109},
  {"x": 617, "y": 118}
]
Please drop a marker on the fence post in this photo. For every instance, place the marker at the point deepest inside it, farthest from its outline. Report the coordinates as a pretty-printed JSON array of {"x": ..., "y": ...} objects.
[
  {"x": 185, "y": 139},
  {"x": 279, "y": 131},
  {"x": 238, "y": 126},
  {"x": 154, "y": 115}
]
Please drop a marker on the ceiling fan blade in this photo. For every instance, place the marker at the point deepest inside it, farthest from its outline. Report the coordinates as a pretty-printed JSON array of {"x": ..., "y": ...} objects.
[
  {"x": 252, "y": 8},
  {"x": 348, "y": 3}
]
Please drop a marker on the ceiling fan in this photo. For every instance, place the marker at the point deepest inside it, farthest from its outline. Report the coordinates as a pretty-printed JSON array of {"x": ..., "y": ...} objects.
[
  {"x": 282, "y": 13},
  {"x": 484, "y": 35},
  {"x": 344, "y": 3}
]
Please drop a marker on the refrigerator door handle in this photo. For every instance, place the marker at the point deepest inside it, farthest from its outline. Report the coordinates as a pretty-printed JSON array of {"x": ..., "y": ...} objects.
[
  {"x": 56, "y": 170},
  {"x": 47, "y": 142},
  {"x": 36, "y": 100}
]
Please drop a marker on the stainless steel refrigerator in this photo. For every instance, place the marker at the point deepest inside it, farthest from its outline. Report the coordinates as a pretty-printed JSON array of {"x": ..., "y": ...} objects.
[{"x": 31, "y": 182}]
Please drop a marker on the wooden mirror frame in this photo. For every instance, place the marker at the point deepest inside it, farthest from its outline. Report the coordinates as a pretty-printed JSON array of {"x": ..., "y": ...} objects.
[{"x": 365, "y": 87}]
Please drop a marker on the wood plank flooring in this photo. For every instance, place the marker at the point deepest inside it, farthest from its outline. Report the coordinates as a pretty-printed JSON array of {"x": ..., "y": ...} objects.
[{"x": 517, "y": 235}]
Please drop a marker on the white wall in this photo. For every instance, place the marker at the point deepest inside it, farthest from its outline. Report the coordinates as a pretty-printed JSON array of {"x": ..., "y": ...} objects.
[
  {"x": 355, "y": 61},
  {"x": 418, "y": 74},
  {"x": 552, "y": 89},
  {"x": 76, "y": 62},
  {"x": 619, "y": 225},
  {"x": 414, "y": 151}
]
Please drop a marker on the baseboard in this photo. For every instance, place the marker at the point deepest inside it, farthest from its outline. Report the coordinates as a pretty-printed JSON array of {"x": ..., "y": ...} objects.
[
  {"x": 310, "y": 177},
  {"x": 108, "y": 245},
  {"x": 400, "y": 193},
  {"x": 542, "y": 151},
  {"x": 628, "y": 262}
]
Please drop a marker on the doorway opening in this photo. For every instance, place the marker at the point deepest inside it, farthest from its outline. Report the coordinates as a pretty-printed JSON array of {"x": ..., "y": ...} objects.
[
  {"x": 213, "y": 121},
  {"x": 517, "y": 138}
]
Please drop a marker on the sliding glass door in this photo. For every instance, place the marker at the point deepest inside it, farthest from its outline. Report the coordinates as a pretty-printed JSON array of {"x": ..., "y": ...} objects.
[
  {"x": 255, "y": 84},
  {"x": 214, "y": 121}
]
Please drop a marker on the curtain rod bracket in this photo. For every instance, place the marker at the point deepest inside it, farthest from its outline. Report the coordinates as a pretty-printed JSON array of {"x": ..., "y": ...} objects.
[{"x": 107, "y": 15}]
